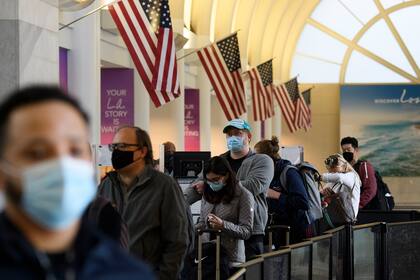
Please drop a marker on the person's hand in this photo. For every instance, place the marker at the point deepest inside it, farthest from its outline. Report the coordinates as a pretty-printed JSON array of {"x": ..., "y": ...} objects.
[
  {"x": 317, "y": 177},
  {"x": 273, "y": 194},
  {"x": 327, "y": 192},
  {"x": 214, "y": 221},
  {"x": 198, "y": 187}
]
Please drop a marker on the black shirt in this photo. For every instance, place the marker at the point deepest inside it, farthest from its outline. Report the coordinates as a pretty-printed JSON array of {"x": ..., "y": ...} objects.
[{"x": 235, "y": 163}]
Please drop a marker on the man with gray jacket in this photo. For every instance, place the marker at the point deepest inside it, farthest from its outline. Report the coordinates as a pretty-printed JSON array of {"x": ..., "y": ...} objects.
[
  {"x": 150, "y": 202},
  {"x": 253, "y": 171}
]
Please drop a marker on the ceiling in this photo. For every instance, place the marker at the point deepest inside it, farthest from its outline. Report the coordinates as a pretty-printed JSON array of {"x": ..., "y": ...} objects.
[{"x": 267, "y": 28}]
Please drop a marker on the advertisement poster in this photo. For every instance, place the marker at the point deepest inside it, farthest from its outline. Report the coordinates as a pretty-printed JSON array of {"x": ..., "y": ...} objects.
[
  {"x": 386, "y": 121},
  {"x": 117, "y": 101},
  {"x": 192, "y": 120}
]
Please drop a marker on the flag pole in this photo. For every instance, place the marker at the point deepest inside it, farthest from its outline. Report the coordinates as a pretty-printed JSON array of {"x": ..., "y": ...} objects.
[
  {"x": 88, "y": 14},
  {"x": 197, "y": 50}
]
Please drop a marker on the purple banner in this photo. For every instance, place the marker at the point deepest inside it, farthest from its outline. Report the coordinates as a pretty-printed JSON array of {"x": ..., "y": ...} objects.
[
  {"x": 63, "y": 70},
  {"x": 192, "y": 120},
  {"x": 117, "y": 101}
]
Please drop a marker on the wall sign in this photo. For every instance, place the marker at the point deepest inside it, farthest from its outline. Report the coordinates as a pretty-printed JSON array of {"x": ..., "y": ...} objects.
[
  {"x": 192, "y": 120},
  {"x": 117, "y": 101}
]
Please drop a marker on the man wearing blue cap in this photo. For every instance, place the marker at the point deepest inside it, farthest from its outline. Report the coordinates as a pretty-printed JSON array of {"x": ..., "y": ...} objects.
[{"x": 253, "y": 171}]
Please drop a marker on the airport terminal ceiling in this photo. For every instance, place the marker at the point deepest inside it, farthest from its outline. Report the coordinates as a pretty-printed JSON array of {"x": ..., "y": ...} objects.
[
  {"x": 322, "y": 41},
  {"x": 338, "y": 37}
]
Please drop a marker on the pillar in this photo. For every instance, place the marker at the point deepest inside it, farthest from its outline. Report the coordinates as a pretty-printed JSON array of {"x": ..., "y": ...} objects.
[
  {"x": 276, "y": 123},
  {"x": 204, "y": 86},
  {"x": 180, "y": 104},
  {"x": 84, "y": 66},
  {"x": 268, "y": 128},
  {"x": 28, "y": 43},
  {"x": 141, "y": 103}
]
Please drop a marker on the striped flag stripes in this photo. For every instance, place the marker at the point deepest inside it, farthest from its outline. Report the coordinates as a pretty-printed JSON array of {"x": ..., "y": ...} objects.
[
  {"x": 306, "y": 99},
  {"x": 287, "y": 106},
  {"x": 145, "y": 27},
  {"x": 261, "y": 78},
  {"x": 222, "y": 64}
]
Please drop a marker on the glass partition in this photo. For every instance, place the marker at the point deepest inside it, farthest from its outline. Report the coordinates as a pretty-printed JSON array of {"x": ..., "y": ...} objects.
[
  {"x": 364, "y": 253},
  {"x": 276, "y": 265},
  {"x": 403, "y": 250},
  {"x": 321, "y": 258},
  {"x": 338, "y": 250},
  {"x": 254, "y": 270},
  {"x": 301, "y": 262}
]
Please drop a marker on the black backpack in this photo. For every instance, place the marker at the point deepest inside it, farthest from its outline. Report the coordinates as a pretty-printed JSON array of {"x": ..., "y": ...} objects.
[
  {"x": 385, "y": 192},
  {"x": 383, "y": 199}
]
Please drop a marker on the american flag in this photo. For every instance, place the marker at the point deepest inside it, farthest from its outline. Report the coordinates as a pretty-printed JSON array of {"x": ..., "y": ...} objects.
[
  {"x": 306, "y": 95},
  {"x": 261, "y": 78},
  {"x": 222, "y": 63},
  {"x": 146, "y": 28},
  {"x": 287, "y": 106}
]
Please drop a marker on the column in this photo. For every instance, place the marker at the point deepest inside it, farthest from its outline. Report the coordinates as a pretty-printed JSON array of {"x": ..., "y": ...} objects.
[
  {"x": 276, "y": 123},
  {"x": 28, "y": 43},
  {"x": 268, "y": 130},
  {"x": 85, "y": 64},
  {"x": 141, "y": 103},
  {"x": 179, "y": 105},
  {"x": 204, "y": 86},
  {"x": 255, "y": 126}
]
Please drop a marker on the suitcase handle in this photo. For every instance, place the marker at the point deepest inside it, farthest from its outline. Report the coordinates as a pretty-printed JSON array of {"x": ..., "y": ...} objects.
[
  {"x": 272, "y": 228},
  {"x": 210, "y": 230},
  {"x": 200, "y": 252}
]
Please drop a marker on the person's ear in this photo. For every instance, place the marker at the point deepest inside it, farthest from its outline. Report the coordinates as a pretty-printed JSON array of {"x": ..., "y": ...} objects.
[{"x": 140, "y": 153}]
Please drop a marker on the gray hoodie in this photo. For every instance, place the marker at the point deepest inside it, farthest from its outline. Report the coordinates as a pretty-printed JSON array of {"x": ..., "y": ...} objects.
[{"x": 154, "y": 210}]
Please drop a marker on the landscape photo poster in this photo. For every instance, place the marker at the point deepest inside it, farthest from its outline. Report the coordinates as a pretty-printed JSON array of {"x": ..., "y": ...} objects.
[{"x": 386, "y": 121}]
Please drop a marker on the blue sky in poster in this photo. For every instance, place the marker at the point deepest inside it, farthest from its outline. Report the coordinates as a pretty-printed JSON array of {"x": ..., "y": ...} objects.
[{"x": 386, "y": 120}]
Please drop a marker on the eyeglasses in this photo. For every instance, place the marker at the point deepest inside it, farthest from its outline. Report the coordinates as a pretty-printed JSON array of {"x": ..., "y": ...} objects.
[
  {"x": 331, "y": 161},
  {"x": 121, "y": 146}
]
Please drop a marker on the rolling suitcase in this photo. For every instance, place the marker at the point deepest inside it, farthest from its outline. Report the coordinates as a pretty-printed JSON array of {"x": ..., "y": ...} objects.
[{"x": 211, "y": 257}]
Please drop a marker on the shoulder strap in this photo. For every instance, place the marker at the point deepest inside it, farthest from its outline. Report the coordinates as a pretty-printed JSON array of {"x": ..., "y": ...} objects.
[
  {"x": 358, "y": 165},
  {"x": 283, "y": 175}
]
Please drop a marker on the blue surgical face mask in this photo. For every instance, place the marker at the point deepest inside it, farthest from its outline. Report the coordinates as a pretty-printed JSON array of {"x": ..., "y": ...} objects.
[
  {"x": 235, "y": 143},
  {"x": 56, "y": 192},
  {"x": 216, "y": 186}
]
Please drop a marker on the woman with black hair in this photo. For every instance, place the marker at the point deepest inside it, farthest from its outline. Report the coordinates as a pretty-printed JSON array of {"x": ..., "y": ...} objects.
[{"x": 226, "y": 206}]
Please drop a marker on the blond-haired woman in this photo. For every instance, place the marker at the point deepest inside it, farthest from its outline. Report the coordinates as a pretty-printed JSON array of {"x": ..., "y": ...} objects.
[{"x": 341, "y": 177}]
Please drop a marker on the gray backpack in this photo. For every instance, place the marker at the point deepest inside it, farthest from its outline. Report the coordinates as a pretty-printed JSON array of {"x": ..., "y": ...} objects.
[{"x": 308, "y": 173}]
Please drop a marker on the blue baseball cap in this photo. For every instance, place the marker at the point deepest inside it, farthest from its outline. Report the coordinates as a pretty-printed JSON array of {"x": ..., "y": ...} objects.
[{"x": 237, "y": 123}]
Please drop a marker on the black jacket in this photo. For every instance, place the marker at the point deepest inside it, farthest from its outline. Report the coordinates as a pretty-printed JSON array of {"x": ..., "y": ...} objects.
[
  {"x": 293, "y": 203},
  {"x": 154, "y": 210},
  {"x": 93, "y": 256}
]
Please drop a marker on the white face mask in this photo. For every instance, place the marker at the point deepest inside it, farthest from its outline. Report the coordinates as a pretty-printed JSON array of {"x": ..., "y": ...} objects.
[{"x": 56, "y": 192}]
